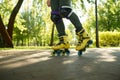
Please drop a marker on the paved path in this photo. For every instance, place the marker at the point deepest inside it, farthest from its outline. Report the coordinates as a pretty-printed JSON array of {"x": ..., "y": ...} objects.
[{"x": 95, "y": 64}]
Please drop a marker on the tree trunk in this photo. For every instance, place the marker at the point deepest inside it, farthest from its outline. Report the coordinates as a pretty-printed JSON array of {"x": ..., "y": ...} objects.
[
  {"x": 2, "y": 42},
  {"x": 5, "y": 35},
  {"x": 12, "y": 17},
  {"x": 52, "y": 36},
  {"x": 97, "y": 28}
]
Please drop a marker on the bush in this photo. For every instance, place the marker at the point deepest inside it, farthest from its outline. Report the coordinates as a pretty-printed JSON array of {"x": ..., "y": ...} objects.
[{"x": 109, "y": 38}]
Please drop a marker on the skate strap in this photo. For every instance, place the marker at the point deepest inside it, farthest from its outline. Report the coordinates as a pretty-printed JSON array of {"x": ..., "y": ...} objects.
[
  {"x": 85, "y": 37},
  {"x": 82, "y": 38},
  {"x": 55, "y": 12},
  {"x": 80, "y": 32}
]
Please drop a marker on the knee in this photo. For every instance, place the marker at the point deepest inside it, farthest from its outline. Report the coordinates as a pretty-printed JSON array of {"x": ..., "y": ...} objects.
[
  {"x": 55, "y": 17},
  {"x": 66, "y": 11}
]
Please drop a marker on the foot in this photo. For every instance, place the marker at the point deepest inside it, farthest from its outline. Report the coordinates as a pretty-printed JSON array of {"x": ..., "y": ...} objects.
[{"x": 83, "y": 40}]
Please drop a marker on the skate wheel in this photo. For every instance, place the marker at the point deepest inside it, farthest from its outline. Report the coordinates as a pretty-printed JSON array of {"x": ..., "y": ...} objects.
[
  {"x": 63, "y": 53},
  {"x": 58, "y": 52},
  {"x": 80, "y": 53},
  {"x": 67, "y": 52},
  {"x": 53, "y": 53},
  {"x": 90, "y": 42},
  {"x": 84, "y": 49}
]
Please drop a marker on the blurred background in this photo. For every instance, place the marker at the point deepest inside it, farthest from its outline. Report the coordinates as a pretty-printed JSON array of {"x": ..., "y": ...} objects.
[{"x": 32, "y": 26}]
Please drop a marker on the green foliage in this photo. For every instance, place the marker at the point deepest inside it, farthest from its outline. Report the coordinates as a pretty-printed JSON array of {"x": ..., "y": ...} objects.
[
  {"x": 36, "y": 25},
  {"x": 110, "y": 39},
  {"x": 109, "y": 18},
  {"x": 6, "y": 7},
  {"x": 33, "y": 25}
]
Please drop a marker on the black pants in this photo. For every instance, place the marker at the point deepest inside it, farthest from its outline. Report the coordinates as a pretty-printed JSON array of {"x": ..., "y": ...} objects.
[{"x": 55, "y": 6}]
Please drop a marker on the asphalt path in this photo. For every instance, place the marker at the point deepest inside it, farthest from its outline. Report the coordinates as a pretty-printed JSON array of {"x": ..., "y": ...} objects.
[{"x": 94, "y": 64}]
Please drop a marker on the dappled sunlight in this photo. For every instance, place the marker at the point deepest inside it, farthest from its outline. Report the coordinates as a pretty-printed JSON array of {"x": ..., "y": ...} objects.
[
  {"x": 69, "y": 61},
  {"x": 25, "y": 60},
  {"x": 87, "y": 69},
  {"x": 39, "y": 65},
  {"x": 22, "y": 63},
  {"x": 106, "y": 55},
  {"x": 107, "y": 58}
]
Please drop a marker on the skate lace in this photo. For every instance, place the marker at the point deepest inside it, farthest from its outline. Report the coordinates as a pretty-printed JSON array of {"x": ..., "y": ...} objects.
[
  {"x": 58, "y": 43},
  {"x": 80, "y": 39},
  {"x": 61, "y": 42}
]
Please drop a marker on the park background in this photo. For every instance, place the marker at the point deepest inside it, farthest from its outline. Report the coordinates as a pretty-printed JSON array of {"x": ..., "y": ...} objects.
[
  {"x": 26, "y": 38},
  {"x": 32, "y": 26}
]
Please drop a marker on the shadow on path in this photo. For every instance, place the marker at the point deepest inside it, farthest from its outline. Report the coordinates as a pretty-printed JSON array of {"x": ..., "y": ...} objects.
[{"x": 95, "y": 64}]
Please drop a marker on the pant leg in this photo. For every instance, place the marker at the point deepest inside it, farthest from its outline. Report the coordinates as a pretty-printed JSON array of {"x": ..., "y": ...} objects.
[
  {"x": 73, "y": 18},
  {"x": 59, "y": 26},
  {"x": 76, "y": 22},
  {"x": 65, "y": 2}
]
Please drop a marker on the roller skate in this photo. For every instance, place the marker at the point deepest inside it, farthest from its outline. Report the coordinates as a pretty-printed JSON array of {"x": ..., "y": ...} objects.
[
  {"x": 83, "y": 41},
  {"x": 62, "y": 48}
]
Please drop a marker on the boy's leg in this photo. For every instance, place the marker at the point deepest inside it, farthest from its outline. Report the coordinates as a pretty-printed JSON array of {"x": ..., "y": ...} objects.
[
  {"x": 57, "y": 19},
  {"x": 66, "y": 11}
]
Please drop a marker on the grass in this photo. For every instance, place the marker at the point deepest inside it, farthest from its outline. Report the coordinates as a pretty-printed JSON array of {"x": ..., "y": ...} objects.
[
  {"x": 43, "y": 47},
  {"x": 33, "y": 47},
  {"x": 27, "y": 47}
]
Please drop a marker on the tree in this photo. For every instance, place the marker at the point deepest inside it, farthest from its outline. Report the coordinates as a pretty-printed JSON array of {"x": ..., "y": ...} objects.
[
  {"x": 109, "y": 19},
  {"x": 97, "y": 31},
  {"x": 7, "y": 34}
]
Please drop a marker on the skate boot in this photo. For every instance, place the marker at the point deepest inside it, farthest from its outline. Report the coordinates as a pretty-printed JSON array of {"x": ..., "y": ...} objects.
[
  {"x": 83, "y": 41},
  {"x": 62, "y": 47}
]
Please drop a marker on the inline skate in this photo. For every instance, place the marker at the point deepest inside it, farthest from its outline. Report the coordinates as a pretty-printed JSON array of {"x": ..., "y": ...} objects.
[
  {"x": 83, "y": 41},
  {"x": 62, "y": 48}
]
